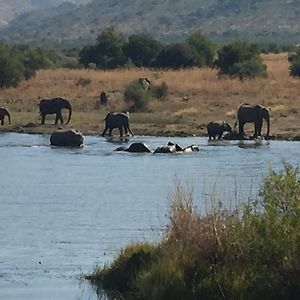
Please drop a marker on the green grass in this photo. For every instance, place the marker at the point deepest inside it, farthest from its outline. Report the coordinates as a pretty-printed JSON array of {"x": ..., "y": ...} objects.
[{"x": 219, "y": 255}]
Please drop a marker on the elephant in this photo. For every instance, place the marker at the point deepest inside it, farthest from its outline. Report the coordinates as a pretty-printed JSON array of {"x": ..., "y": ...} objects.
[
  {"x": 66, "y": 138},
  {"x": 217, "y": 128},
  {"x": 4, "y": 112},
  {"x": 135, "y": 148},
  {"x": 252, "y": 114},
  {"x": 175, "y": 148},
  {"x": 117, "y": 120},
  {"x": 103, "y": 98},
  {"x": 145, "y": 83},
  {"x": 54, "y": 106}
]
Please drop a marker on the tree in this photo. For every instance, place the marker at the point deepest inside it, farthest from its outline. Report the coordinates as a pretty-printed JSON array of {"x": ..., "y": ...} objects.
[
  {"x": 107, "y": 53},
  {"x": 142, "y": 50},
  {"x": 240, "y": 59},
  {"x": 177, "y": 56},
  {"x": 294, "y": 60},
  {"x": 11, "y": 68},
  {"x": 205, "y": 49}
]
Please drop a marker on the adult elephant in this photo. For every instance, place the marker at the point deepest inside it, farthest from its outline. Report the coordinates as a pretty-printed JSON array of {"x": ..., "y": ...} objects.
[
  {"x": 253, "y": 114},
  {"x": 54, "y": 106},
  {"x": 217, "y": 129},
  {"x": 116, "y": 120},
  {"x": 4, "y": 112}
]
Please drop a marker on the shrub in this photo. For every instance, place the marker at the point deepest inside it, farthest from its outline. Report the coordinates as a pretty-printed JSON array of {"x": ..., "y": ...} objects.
[
  {"x": 294, "y": 60},
  {"x": 137, "y": 96},
  {"x": 159, "y": 91},
  {"x": 240, "y": 59},
  {"x": 220, "y": 255}
]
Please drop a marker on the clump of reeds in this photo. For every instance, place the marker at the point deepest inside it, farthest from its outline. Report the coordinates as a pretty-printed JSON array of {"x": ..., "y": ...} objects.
[{"x": 219, "y": 255}]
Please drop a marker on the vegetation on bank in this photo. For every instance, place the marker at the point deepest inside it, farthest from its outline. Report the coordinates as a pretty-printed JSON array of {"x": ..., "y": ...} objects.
[{"x": 253, "y": 254}]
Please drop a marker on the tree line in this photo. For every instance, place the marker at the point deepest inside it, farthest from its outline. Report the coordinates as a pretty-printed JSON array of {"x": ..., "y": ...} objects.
[{"x": 112, "y": 50}]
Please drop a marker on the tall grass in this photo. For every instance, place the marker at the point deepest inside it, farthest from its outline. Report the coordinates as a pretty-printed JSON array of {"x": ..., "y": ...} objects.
[{"x": 219, "y": 255}]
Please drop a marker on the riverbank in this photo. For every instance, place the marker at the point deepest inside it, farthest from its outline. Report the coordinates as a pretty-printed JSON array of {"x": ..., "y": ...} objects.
[{"x": 195, "y": 97}]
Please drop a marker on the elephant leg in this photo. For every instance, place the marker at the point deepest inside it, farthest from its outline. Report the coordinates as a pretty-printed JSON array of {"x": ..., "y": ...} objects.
[
  {"x": 110, "y": 132},
  {"x": 241, "y": 128},
  {"x": 220, "y": 136},
  {"x": 59, "y": 117},
  {"x": 130, "y": 131},
  {"x": 105, "y": 129},
  {"x": 126, "y": 131},
  {"x": 121, "y": 130},
  {"x": 2, "y": 121},
  {"x": 43, "y": 119}
]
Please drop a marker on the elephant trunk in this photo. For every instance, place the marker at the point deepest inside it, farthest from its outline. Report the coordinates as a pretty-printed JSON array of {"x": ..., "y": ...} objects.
[
  {"x": 8, "y": 114},
  {"x": 70, "y": 114}
]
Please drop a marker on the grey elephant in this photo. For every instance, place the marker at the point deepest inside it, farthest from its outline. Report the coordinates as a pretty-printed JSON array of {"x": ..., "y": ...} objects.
[
  {"x": 252, "y": 114},
  {"x": 175, "y": 148},
  {"x": 217, "y": 129},
  {"x": 66, "y": 138},
  {"x": 135, "y": 148},
  {"x": 117, "y": 120},
  {"x": 4, "y": 112},
  {"x": 54, "y": 106}
]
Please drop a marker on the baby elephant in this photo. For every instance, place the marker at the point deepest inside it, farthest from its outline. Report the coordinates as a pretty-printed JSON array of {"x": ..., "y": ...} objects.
[
  {"x": 4, "y": 112},
  {"x": 116, "y": 120},
  {"x": 217, "y": 128}
]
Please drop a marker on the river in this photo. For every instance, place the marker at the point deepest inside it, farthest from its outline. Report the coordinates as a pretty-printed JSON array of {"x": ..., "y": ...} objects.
[{"x": 63, "y": 210}]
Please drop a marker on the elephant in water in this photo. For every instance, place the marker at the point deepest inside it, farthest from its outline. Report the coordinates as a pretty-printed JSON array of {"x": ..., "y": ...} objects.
[
  {"x": 54, "y": 106},
  {"x": 175, "y": 148},
  {"x": 66, "y": 138},
  {"x": 135, "y": 148},
  {"x": 217, "y": 128},
  {"x": 4, "y": 112},
  {"x": 252, "y": 114},
  {"x": 117, "y": 120}
]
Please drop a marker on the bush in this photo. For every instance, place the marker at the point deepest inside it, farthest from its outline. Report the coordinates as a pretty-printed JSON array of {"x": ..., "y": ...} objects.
[
  {"x": 137, "y": 96},
  {"x": 220, "y": 255},
  {"x": 294, "y": 60},
  {"x": 159, "y": 91},
  {"x": 240, "y": 59}
]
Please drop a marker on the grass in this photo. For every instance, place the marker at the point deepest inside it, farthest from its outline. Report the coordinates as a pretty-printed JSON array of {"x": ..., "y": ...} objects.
[
  {"x": 219, "y": 255},
  {"x": 209, "y": 98}
]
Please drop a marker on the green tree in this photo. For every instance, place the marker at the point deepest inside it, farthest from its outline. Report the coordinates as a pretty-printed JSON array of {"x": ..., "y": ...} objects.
[
  {"x": 205, "y": 49},
  {"x": 240, "y": 59},
  {"x": 142, "y": 50},
  {"x": 11, "y": 67},
  {"x": 177, "y": 56},
  {"x": 294, "y": 60},
  {"x": 107, "y": 53}
]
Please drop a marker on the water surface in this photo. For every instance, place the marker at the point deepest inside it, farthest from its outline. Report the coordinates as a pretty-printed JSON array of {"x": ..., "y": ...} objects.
[{"x": 63, "y": 210}]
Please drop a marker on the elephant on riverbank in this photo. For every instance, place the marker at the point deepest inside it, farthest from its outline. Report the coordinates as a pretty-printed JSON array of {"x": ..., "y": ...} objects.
[
  {"x": 217, "y": 129},
  {"x": 117, "y": 120},
  {"x": 66, "y": 138},
  {"x": 253, "y": 114},
  {"x": 54, "y": 106},
  {"x": 4, "y": 112}
]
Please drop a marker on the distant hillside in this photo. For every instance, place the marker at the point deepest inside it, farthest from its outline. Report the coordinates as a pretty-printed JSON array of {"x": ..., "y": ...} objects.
[
  {"x": 9, "y": 9},
  {"x": 169, "y": 20}
]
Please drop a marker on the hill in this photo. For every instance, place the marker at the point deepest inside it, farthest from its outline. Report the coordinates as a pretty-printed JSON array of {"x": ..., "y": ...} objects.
[{"x": 223, "y": 20}]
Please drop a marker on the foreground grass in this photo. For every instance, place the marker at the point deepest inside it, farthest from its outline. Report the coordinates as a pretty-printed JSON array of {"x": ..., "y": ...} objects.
[
  {"x": 209, "y": 98},
  {"x": 216, "y": 256}
]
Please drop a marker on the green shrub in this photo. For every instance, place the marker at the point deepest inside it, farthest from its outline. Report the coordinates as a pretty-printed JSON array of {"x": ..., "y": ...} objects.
[
  {"x": 294, "y": 60},
  {"x": 159, "y": 91},
  {"x": 219, "y": 255},
  {"x": 137, "y": 97},
  {"x": 240, "y": 59}
]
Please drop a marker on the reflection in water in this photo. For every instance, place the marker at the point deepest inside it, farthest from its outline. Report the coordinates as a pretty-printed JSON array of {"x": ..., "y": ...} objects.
[{"x": 62, "y": 210}]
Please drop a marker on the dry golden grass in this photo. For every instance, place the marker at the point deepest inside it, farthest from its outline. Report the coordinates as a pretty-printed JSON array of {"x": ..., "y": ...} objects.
[{"x": 209, "y": 98}]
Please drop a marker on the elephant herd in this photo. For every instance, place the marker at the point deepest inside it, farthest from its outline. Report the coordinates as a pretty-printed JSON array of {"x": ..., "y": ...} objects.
[{"x": 246, "y": 113}]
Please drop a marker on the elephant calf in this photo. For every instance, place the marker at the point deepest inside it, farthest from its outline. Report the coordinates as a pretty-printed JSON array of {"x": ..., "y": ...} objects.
[
  {"x": 217, "y": 128},
  {"x": 116, "y": 120},
  {"x": 4, "y": 112}
]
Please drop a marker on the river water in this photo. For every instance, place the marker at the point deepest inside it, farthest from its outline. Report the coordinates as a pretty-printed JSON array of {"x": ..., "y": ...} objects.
[{"x": 64, "y": 210}]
